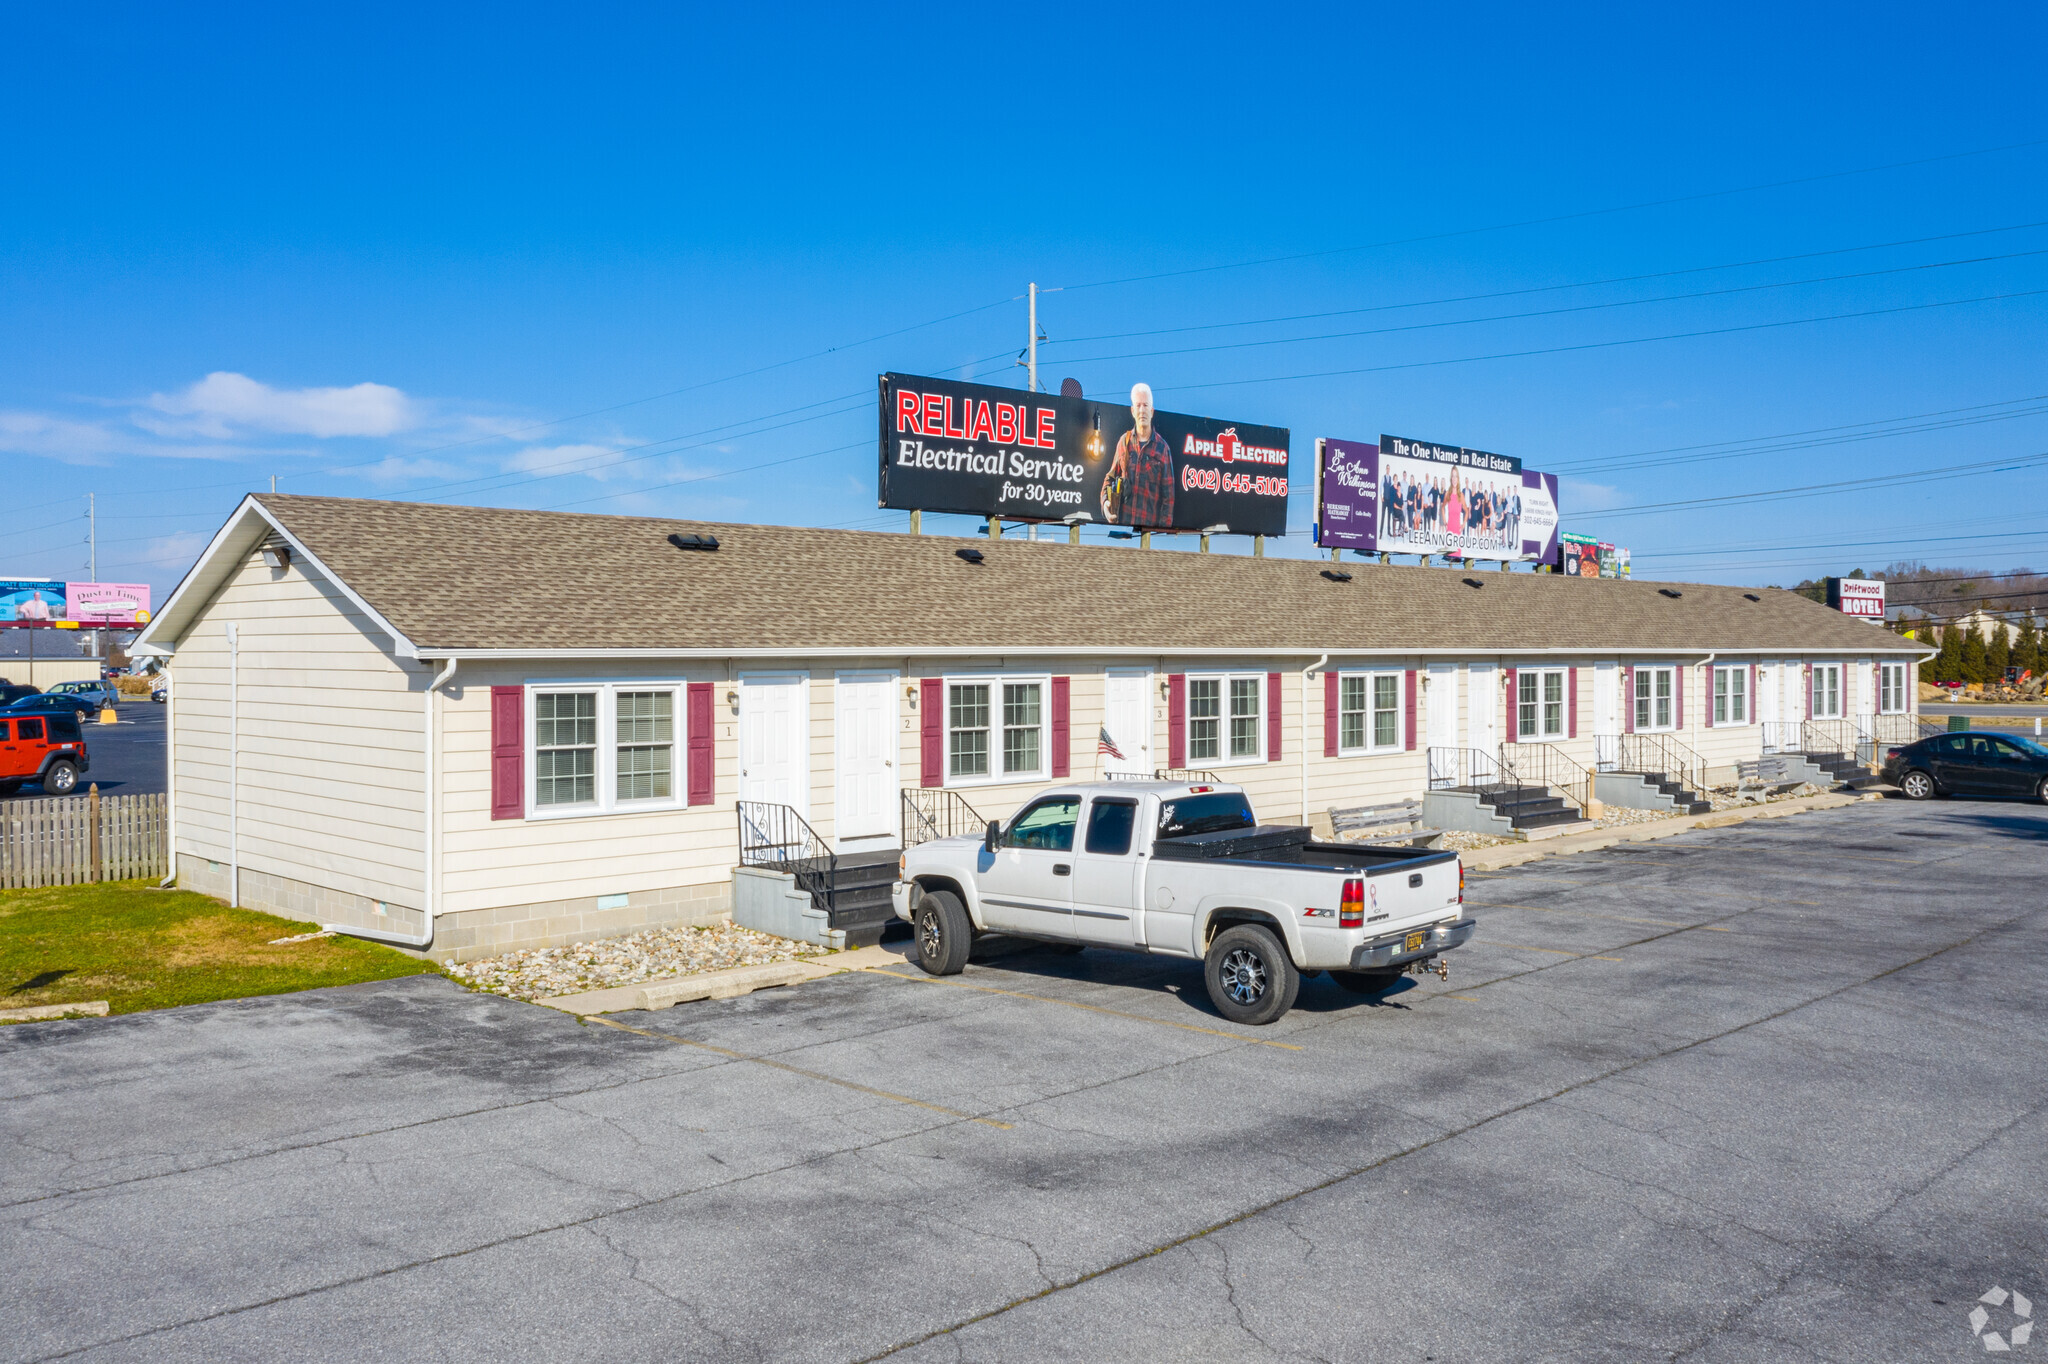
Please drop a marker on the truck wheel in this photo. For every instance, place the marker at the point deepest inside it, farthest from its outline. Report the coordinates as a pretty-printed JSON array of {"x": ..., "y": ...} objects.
[
  {"x": 60, "y": 778},
  {"x": 1366, "y": 982},
  {"x": 1916, "y": 786},
  {"x": 1250, "y": 976},
  {"x": 944, "y": 933}
]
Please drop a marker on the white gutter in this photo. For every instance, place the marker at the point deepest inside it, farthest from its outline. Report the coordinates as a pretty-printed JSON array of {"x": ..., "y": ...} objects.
[
  {"x": 1304, "y": 735},
  {"x": 234, "y": 767},
  {"x": 430, "y": 828},
  {"x": 896, "y": 650}
]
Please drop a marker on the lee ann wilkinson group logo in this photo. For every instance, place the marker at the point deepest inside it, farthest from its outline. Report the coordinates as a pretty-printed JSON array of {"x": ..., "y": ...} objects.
[{"x": 2019, "y": 1324}]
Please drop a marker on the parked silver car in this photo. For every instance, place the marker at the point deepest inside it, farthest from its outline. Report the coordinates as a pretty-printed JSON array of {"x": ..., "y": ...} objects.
[{"x": 100, "y": 694}]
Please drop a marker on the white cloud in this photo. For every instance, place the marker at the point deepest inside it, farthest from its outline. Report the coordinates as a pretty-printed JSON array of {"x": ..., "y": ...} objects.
[
  {"x": 591, "y": 461},
  {"x": 398, "y": 469},
  {"x": 92, "y": 442},
  {"x": 223, "y": 401}
]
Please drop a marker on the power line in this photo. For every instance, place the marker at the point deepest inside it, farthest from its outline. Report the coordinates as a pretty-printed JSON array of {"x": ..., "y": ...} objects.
[
  {"x": 1596, "y": 345},
  {"x": 1556, "y": 218},
  {"x": 1817, "y": 489}
]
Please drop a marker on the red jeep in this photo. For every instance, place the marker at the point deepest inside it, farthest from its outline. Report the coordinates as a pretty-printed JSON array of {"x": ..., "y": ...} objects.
[{"x": 48, "y": 748}]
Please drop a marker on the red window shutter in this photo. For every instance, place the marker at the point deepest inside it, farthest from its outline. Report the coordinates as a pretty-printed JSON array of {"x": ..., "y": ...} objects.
[
  {"x": 1408, "y": 706},
  {"x": 1062, "y": 744},
  {"x": 1177, "y": 720},
  {"x": 1331, "y": 719},
  {"x": 508, "y": 752},
  {"x": 1628, "y": 700},
  {"x": 1273, "y": 717},
  {"x": 1678, "y": 696},
  {"x": 1571, "y": 703},
  {"x": 703, "y": 784},
  {"x": 932, "y": 752},
  {"x": 1514, "y": 704}
]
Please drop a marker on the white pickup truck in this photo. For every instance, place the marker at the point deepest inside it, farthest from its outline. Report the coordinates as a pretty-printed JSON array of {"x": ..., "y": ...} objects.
[{"x": 1184, "y": 870}]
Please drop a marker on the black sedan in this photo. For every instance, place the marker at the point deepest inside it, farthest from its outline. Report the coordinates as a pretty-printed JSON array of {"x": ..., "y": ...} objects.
[
  {"x": 60, "y": 702},
  {"x": 1970, "y": 763}
]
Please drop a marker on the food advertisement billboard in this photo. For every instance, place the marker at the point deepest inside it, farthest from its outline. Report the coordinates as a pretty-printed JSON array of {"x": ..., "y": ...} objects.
[
  {"x": 109, "y": 603},
  {"x": 949, "y": 446},
  {"x": 1584, "y": 556},
  {"x": 1406, "y": 496},
  {"x": 32, "y": 599}
]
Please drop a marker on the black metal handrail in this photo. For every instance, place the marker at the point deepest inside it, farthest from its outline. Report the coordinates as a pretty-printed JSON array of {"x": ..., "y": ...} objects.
[
  {"x": 1830, "y": 736},
  {"x": 1468, "y": 767},
  {"x": 1651, "y": 753},
  {"x": 932, "y": 812},
  {"x": 1547, "y": 766},
  {"x": 776, "y": 837}
]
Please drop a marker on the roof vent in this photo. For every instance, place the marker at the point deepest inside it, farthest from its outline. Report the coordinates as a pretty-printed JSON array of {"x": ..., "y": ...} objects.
[
  {"x": 1336, "y": 577},
  {"x": 704, "y": 542},
  {"x": 972, "y": 556},
  {"x": 1472, "y": 582},
  {"x": 1669, "y": 592},
  {"x": 1752, "y": 596}
]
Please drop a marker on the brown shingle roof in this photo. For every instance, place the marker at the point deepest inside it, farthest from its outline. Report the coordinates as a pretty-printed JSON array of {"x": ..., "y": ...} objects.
[{"x": 484, "y": 578}]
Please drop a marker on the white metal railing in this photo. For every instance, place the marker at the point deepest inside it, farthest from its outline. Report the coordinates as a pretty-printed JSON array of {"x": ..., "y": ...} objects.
[
  {"x": 1606, "y": 752},
  {"x": 1781, "y": 736}
]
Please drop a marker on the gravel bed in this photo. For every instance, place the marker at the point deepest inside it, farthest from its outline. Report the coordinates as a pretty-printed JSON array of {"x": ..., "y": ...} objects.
[
  {"x": 1464, "y": 842},
  {"x": 634, "y": 960}
]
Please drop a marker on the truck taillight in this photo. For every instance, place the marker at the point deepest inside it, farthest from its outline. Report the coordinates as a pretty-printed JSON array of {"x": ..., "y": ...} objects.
[
  {"x": 1351, "y": 908},
  {"x": 1461, "y": 883}
]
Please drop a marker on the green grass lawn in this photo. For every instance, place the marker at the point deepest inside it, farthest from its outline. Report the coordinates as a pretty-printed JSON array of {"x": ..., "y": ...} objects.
[{"x": 141, "y": 948}]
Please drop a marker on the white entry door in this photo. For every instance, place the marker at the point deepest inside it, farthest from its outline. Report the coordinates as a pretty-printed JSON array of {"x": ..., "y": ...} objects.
[
  {"x": 1607, "y": 715},
  {"x": 774, "y": 765},
  {"x": 864, "y": 756},
  {"x": 1482, "y": 719},
  {"x": 1127, "y": 715},
  {"x": 1443, "y": 705}
]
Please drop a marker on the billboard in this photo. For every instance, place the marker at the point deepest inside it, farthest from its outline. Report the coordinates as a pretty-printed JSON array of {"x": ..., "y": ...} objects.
[
  {"x": 1857, "y": 597},
  {"x": 1416, "y": 497},
  {"x": 34, "y": 599},
  {"x": 1583, "y": 556},
  {"x": 109, "y": 603},
  {"x": 987, "y": 451}
]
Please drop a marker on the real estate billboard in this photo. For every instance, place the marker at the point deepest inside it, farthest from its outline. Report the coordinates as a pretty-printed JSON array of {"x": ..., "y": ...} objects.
[
  {"x": 108, "y": 603},
  {"x": 31, "y": 599},
  {"x": 987, "y": 451},
  {"x": 1406, "y": 496}
]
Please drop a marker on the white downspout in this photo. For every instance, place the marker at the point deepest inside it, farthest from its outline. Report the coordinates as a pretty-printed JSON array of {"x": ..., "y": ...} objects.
[
  {"x": 1706, "y": 666},
  {"x": 170, "y": 785},
  {"x": 430, "y": 861},
  {"x": 1304, "y": 735},
  {"x": 234, "y": 766}
]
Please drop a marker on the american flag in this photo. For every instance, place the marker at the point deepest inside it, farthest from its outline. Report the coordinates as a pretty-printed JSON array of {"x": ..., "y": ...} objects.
[{"x": 1105, "y": 744}]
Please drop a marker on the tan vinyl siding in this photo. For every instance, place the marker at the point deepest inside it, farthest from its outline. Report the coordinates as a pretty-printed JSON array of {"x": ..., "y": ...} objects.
[{"x": 331, "y": 770}]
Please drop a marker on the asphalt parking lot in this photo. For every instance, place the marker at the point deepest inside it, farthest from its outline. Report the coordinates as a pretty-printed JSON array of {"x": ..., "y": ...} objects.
[
  {"x": 127, "y": 756},
  {"x": 1763, "y": 1092}
]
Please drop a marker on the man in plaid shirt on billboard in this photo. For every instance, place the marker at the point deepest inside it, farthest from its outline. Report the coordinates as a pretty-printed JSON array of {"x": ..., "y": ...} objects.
[{"x": 1141, "y": 472}]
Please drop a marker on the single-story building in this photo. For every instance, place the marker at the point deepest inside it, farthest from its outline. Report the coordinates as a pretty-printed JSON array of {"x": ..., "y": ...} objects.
[{"x": 473, "y": 730}]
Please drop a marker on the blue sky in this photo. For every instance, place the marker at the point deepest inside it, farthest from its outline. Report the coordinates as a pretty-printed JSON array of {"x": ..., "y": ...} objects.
[{"x": 637, "y": 260}]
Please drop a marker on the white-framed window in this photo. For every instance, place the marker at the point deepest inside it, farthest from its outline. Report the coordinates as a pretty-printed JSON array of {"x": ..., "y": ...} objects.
[
  {"x": 1539, "y": 703},
  {"x": 1369, "y": 713},
  {"x": 1731, "y": 695},
  {"x": 1891, "y": 689},
  {"x": 996, "y": 729},
  {"x": 604, "y": 747},
  {"x": 1827, "y": 692},
  {"x": 1226, "y": 719},
  {"x": 1655, "y": 699}
]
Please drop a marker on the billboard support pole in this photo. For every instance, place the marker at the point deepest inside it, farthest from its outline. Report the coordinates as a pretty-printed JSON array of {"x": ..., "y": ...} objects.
[
  {"x": 916, "y": 521},
  {"x": 1034, "y": 338},
  {"x": 1258, "y": 546}
]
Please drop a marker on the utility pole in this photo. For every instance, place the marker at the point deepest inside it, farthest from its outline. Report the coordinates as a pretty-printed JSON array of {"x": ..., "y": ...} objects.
[{"x": 1034, "y": 338}]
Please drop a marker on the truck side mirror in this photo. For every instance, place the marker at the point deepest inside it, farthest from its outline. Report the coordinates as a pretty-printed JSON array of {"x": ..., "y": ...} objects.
[{"x": 993, "y": 836}]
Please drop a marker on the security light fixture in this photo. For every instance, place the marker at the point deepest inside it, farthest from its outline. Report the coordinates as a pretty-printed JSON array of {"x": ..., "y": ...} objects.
[
  {"x": 1215, "y": 530},
  {"x": 1669, "y": 592},
  {"x": 703, "y": 542},
  {"x": 1074, "y": 518},
  {"x": 1337, "y": 577},
  {"x": 277, "y": 556},
  {"x": 972, "y": 556},
  {"x": 1123, "y": 535}
]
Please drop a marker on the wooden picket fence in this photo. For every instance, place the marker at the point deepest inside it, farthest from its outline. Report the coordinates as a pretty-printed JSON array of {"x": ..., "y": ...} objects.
[{"x": 67, "y": 840}]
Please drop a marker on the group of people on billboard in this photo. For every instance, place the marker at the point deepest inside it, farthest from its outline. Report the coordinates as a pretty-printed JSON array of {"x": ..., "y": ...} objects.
[{"x": 1484, "y": 514}]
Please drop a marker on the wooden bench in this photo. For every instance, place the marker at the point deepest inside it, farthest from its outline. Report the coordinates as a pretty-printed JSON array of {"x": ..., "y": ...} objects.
[
  {"x": 1761, "y": 772},
  {"x": 1376, "y": 824}
]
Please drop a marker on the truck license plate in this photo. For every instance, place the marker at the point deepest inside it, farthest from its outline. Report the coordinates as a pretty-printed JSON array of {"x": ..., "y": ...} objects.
[{"x": 1414, "y": 943}]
